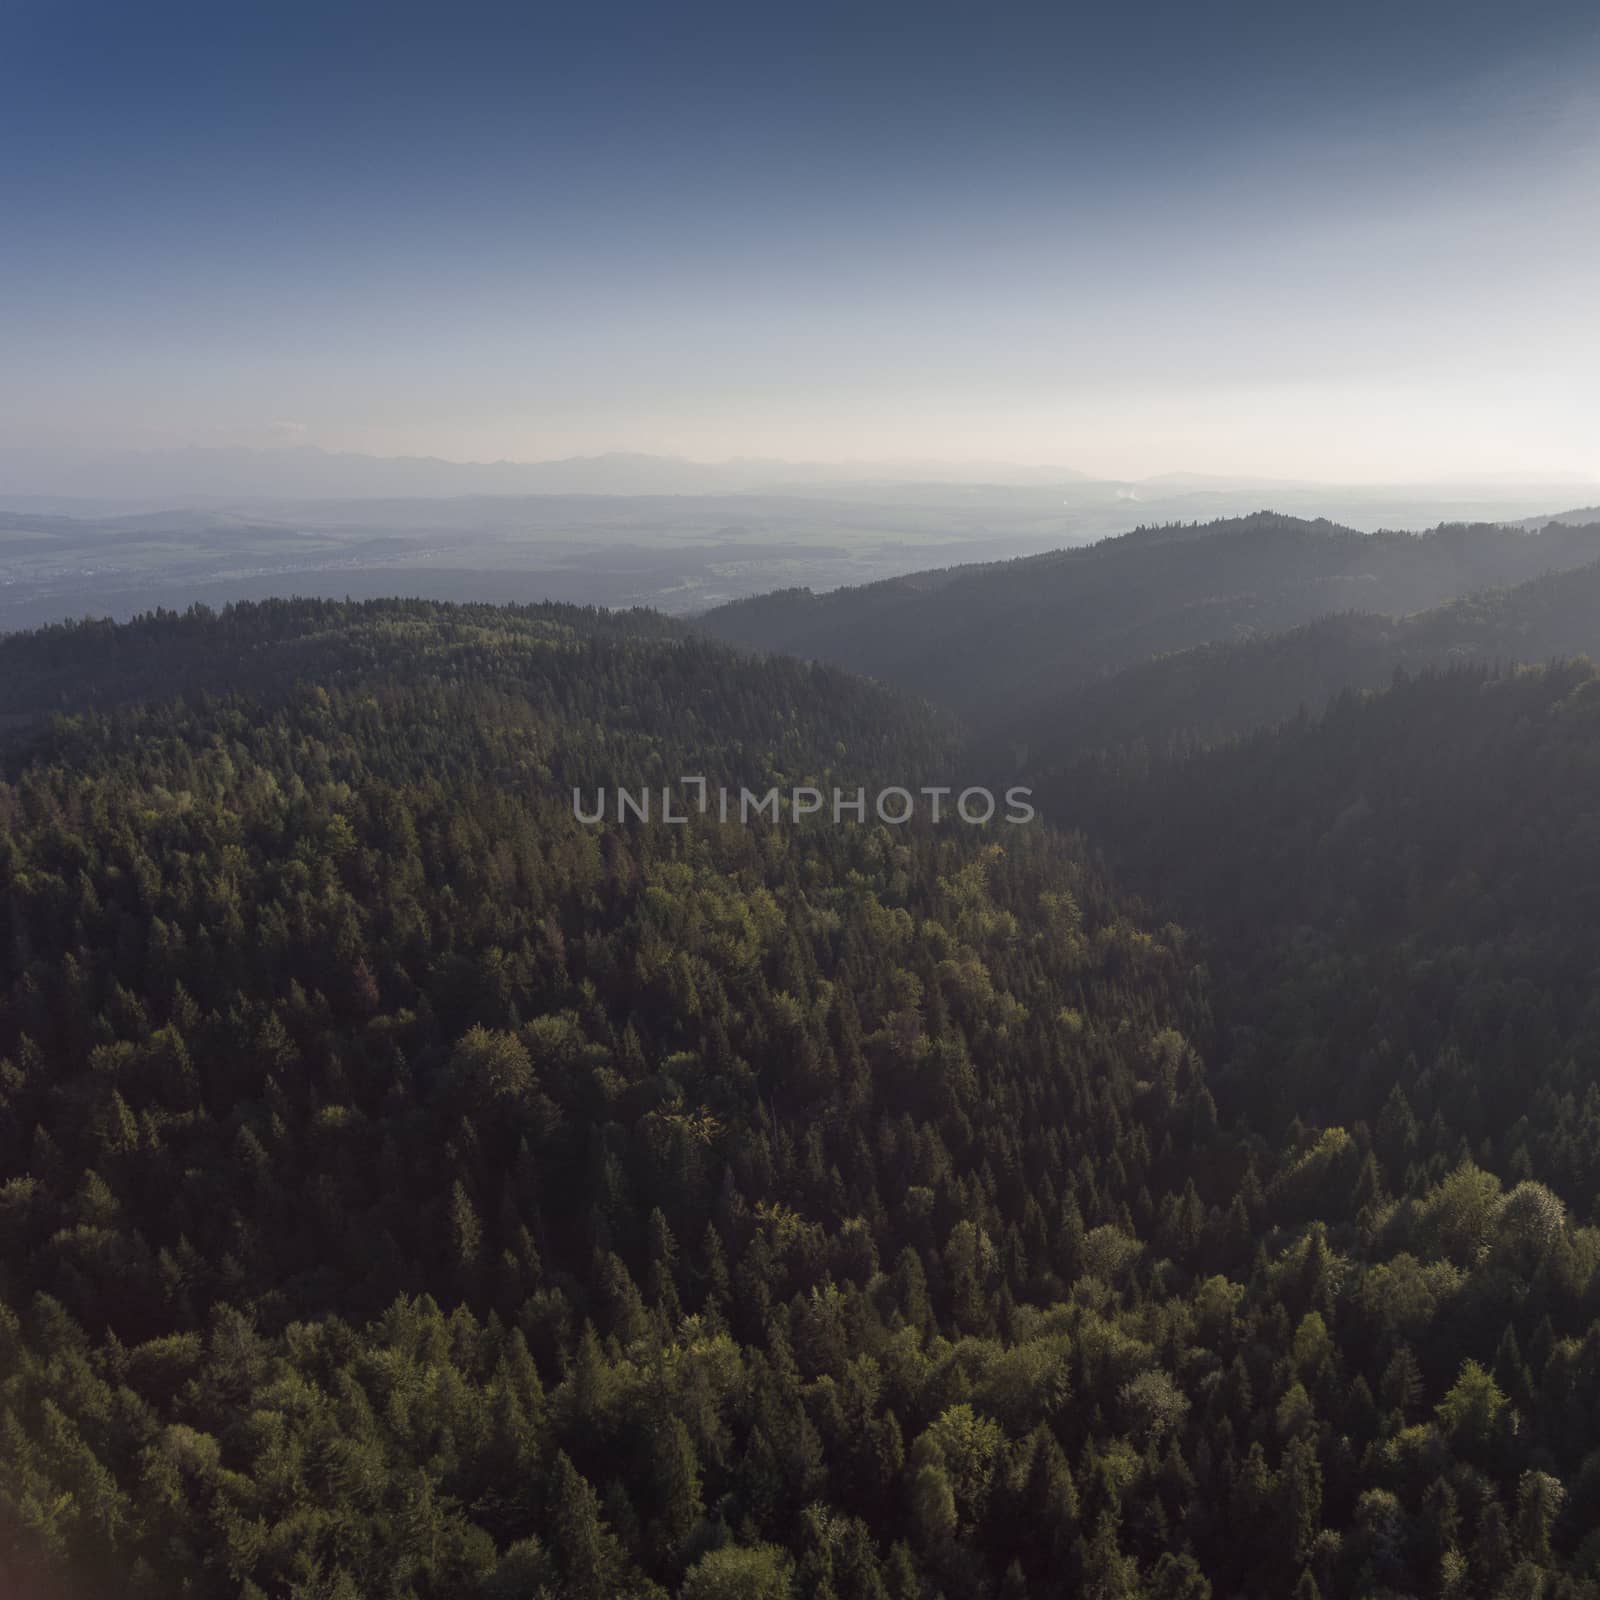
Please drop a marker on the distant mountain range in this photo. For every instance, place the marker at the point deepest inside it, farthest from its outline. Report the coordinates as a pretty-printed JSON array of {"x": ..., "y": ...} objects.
[
  {"x": 192, "y": 475},
  {"x": 103, "y": 482},
  {"x": 999, "y": 642}
]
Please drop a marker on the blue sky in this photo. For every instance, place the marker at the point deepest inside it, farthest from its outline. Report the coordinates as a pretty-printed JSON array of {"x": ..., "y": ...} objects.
[{"x": 1343, "y": 242}]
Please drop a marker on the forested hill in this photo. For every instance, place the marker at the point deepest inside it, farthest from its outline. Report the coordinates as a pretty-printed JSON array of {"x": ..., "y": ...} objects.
[
  {"x": 1402, "y": 903},
  {"x": 1577, "y": 517},
  {"x": 411, "y": 1191},
  {"x": 1001, "y": 639},
  {"x": 414, "y": 1192},
  {"x": 266, "y": 648},
  {"x": 1216, "y": 691}
]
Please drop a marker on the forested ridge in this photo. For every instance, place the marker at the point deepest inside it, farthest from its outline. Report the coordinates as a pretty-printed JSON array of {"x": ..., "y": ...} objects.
[
  {"x": 1008, "y": 640},
  {"x": 409, "y": 1190},
  {"x": 1210, "y": 694}
]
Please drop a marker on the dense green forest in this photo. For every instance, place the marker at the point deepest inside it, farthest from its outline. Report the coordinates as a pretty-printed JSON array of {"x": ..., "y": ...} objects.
[
  {"x": 412, "y": 1191},
  {"x": 1012, "y": 638},
  {"x": 1402, "y": 896}
]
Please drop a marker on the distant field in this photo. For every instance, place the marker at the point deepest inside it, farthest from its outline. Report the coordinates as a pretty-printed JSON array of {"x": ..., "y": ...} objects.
[
  {"x": 681, "y": 553},
  {"x": 677, "y": 553}
]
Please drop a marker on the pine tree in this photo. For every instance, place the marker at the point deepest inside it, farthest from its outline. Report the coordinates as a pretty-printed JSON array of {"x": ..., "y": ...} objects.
[{"x": 590, "y": 1561}]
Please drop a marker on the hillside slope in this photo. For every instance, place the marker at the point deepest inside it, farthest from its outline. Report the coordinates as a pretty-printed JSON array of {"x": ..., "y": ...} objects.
[
  {"x": 1400, "y": 893},
  {"x": 1217, "y": 691}
]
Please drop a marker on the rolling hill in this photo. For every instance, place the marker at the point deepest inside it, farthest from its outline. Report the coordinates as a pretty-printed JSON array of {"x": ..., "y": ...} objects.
[
  {"x": 1217, "y": 691},
  {"x": 1000, "y": 640}
]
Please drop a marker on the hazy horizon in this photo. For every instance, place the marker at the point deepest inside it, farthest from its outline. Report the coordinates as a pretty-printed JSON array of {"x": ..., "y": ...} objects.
[
  {"x": 865, "y": 467},
  {"x": 115, "y": 481},
  {"x": 1352, "y": 247}
]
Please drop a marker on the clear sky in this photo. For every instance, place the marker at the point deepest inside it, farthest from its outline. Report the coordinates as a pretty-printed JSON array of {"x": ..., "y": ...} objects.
[{"x": 1346, "y": 241}]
